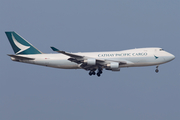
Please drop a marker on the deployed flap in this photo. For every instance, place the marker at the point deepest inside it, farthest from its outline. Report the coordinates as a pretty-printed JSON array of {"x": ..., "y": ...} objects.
[{"x": 21, "y": 57}]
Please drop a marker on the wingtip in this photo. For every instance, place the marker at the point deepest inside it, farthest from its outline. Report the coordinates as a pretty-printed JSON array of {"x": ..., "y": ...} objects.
[{"x": 54, "y": 49}]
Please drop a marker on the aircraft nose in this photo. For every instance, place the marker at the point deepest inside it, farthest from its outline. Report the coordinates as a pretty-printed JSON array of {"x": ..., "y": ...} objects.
[{"x": 170, "y": 57}]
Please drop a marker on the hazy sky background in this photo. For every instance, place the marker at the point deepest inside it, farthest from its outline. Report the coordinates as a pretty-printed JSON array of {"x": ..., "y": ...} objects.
[{"x": 29, "y": 92}]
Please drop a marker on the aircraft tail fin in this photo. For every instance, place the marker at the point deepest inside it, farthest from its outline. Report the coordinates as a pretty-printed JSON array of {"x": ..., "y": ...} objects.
[{"x": 20, "y": 45}]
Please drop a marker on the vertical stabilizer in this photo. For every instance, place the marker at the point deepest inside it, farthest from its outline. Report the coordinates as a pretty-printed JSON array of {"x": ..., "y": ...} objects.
[{"x": 20, "y": 45}]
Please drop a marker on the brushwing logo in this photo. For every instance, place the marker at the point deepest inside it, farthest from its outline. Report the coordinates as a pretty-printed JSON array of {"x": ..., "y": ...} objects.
[
  {"x": 156, "y": 57},
  {"x": 19, "y": 45}
]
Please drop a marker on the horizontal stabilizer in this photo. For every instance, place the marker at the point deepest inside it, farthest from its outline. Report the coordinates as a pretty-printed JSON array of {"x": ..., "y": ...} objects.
[{"x": 21, "y": 57}]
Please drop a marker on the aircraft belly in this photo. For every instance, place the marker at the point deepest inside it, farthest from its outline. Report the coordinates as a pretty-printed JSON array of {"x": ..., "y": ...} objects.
[{"x": 64, "y": 64}]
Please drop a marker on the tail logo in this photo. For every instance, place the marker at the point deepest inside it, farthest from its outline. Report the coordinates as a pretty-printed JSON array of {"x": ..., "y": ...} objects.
[{"x": 19, "y": 45}]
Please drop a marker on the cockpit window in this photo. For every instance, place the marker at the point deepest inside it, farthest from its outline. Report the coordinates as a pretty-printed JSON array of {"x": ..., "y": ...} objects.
[{"x": 161, "y": 49}]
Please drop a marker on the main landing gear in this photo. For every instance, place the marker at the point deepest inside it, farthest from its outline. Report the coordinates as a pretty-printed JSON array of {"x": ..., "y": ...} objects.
[
  {"x": 92, "y": 72},
  {"x": 99, "y": 72},
  {"x": 157, "y": 69}
]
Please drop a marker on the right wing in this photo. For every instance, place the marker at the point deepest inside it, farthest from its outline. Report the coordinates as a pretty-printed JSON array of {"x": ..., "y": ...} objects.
[{"x": 66, "y": 53}]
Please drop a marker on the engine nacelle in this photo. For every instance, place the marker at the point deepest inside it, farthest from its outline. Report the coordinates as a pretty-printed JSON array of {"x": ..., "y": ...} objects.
[
  {"x": 114, "y": 66},
  {"x": 90, "y": 61}
]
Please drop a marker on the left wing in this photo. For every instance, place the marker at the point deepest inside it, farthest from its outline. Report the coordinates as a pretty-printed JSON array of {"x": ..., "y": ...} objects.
[{"x": 89, "y": 63}]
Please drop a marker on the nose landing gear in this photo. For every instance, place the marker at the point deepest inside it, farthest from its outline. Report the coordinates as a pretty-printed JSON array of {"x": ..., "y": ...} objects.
[{"x": 157, "y": 70}]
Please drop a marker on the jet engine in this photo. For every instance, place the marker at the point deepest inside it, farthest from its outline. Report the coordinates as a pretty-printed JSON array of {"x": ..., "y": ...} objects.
[
  {"x": 90, "y": 61},
  {"x": 114, "y": 66}
]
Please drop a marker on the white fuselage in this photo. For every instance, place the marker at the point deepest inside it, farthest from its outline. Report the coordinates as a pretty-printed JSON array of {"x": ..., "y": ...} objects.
[{"x": 132, "y": 57}]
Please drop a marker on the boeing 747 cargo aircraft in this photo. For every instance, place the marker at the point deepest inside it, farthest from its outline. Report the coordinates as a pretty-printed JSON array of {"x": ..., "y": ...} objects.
[{"x": 94, "y": 62}]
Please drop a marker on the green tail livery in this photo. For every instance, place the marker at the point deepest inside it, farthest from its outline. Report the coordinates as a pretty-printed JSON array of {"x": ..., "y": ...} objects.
[{"x": 20, "y": 45}]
